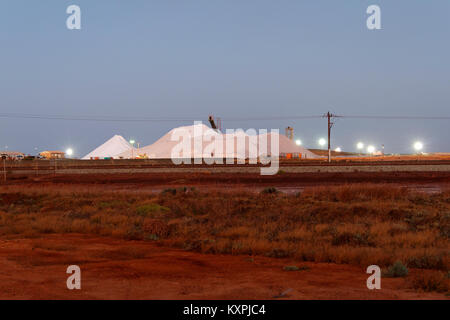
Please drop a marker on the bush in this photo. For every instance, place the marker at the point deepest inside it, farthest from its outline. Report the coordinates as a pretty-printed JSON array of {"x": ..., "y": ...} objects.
[
  {"x": 112, "y": 204},
  {"x": 150, "y": 208},
  {"x": 278, "y": 253},
  {"x": 398, "y": 269},
  {"x": 134, "y": 233},
  {"x": 432, "y": 281},
  {"x": 428, "y": 261},
  {"x": 295, "y": 268},
  {"x": 291, "y": 268},
  {"x": 356, "y": 224},
  {"x": 155, "y": 229},
  {"x": 269, "y": 190},
  {"x": 181, "y": 190},
  {"x": 169, "y": 191},
  {"x": 353, "y": 239}
]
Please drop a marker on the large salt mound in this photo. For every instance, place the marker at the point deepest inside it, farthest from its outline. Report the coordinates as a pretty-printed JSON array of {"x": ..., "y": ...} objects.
[
  {"x": 162, "y": 148},
  {"x": 110, "y": 149}
]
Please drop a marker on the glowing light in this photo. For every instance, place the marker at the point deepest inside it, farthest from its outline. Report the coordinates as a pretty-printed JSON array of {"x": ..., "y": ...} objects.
[
  {"x": 418, "y": 146},
  {"x": 338, "y": 149},
  {"x": 298, "y": 142},
  {"x": 132, "y": 141},
  {"x": 360, "y": 145},
  {"x": 322, "y": 142},
  {"x": 69, "y": 152},
  {"x": 370, "y": 149}
]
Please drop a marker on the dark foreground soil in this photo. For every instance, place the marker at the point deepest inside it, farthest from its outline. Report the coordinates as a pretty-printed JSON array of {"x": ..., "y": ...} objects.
[
  {"x": 158, "y": 181},
  {"x": 119, "y": 269}
]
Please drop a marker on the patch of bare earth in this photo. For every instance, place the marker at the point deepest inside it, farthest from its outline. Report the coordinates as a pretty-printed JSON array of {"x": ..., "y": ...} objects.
[{"x": 119, "y": 269}]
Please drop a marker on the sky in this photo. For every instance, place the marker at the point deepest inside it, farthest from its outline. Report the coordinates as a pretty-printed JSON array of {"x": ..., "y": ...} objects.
[{"x": 233, "y": 59}]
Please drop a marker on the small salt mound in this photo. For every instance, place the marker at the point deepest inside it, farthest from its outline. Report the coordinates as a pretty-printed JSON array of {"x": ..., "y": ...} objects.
[{"x": 110, "y": 149}]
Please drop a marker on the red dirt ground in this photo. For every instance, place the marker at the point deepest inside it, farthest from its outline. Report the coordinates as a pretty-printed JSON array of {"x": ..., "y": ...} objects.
[
  {"x": 119, "y": 269},
  {"x": 434, "y": 181}
]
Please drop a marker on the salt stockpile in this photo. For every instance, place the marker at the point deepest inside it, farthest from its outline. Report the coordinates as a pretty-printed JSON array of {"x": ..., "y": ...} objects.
[
  {"x": 110, "y": 149},
  {"x": 166, "y": 147},
  {"x": 214, "y": 144}
]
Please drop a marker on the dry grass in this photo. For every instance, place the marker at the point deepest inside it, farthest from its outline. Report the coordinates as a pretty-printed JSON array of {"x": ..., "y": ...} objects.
[
  {"x": 431, "y": 281},
  {"x": 354, "y": 224}
]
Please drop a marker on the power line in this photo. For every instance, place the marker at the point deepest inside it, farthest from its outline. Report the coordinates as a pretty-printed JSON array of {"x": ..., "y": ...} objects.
[
  {"x": 341, "y": 116},
  {"x": 232, "y": 119},
  {"x": 138, "y": 119},
  {"x": 91, "y": 118},
  {"x": 396, "y": 117},
  {"x": 273, "y": 118}
]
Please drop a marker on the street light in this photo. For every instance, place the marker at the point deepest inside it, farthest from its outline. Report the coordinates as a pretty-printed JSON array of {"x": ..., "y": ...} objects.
[
  {"x": 418, "y": 146},
  {"x": 69, "y": 152},
  {"x": 298, "y": 142},
  {"x": 322, "y": 142},
  {"x": 132, "y": 148},
  {"x": 360, "y": 145},
  {"x": 370, "y": 149},
  {"x": 338, "y": 149}
]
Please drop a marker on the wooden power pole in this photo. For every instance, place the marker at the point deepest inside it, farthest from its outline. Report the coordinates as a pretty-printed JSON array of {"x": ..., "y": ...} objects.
[
  {"x": 330, "y": 125},
  {"x": 4, "y": 168}
]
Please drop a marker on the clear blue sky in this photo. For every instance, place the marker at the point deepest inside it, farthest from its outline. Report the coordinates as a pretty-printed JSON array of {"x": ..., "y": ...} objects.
[{"x": 230, "y": 58}]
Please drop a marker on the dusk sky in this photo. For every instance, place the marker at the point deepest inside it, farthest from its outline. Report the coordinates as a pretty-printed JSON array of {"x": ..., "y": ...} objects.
[{"x": 231, "y": 58}]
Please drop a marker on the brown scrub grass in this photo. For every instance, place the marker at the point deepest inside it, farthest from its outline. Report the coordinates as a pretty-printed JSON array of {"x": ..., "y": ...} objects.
[{"x": 359, "y": 224}]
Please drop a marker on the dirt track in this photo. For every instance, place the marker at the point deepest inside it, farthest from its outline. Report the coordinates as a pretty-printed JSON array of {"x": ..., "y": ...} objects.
[
  {"x": 118, "y": 269},
  {"x": 290, "y": 182},
  {"x": 195, "y": 178}
]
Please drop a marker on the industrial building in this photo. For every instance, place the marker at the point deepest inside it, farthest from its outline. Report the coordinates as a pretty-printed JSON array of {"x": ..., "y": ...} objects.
[
  {"x": 53, "y": 154},
  {"x": 12, "y": 155}
]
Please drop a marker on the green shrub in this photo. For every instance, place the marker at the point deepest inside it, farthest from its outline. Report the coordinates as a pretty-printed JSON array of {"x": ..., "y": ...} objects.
[
  {"x": 291, "y": 268},
  {"x": 148, "y": 209},
  {"x": 278, "y": 253},
  {"x": 151, "y": 237},
  {"x": 134, "y": 233},
  {"x": 113, "y": 204},
  {"x": 398, "y": 269},
  {"x": 269, "y": 190},
  {"x": 169, "y": 191},
  {"x": 182, "y": 190},
  {"x": 295, "y": 268}
]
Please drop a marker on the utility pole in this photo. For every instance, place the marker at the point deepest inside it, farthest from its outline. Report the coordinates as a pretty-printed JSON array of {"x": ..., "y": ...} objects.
[
  {"x": 36, "y": 161},
  {"x": 4, "y": 168},
  {"x": 132, "y": 142},
  {"x": 330, "y": 125}
]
